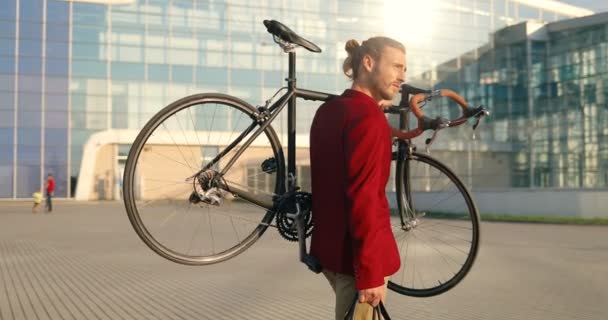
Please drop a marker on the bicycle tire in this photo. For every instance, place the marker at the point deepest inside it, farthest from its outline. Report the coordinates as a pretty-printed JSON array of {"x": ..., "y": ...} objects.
[
  {"x": 147, "y": 230},
  {"x": 453, "y": 210}
]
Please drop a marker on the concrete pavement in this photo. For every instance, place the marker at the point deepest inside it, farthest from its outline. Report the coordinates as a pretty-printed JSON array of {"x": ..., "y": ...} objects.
[{"x": 84, "y": 261}]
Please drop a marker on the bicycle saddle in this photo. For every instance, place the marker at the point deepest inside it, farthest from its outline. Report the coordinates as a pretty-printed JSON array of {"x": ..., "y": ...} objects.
[{"x": 280, "y": 30}]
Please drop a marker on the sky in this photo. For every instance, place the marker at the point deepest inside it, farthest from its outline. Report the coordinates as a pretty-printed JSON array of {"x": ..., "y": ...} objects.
[{"x": 595, "y": 5}]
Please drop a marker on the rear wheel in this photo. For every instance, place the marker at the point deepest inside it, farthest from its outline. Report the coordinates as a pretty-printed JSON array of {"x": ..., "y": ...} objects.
[
  {"x": 438, "y": 237},
  {"x": 180, "y": 212}
]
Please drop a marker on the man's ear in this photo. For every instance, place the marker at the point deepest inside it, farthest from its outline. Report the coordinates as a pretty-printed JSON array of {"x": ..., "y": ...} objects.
[{"x": 368, "y": 62}]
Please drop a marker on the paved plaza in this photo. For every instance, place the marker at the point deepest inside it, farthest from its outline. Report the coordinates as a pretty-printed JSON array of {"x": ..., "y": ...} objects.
[{"x": 84, "y": 261}]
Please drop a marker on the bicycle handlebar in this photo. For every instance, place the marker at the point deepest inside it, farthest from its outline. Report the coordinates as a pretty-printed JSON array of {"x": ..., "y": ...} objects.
[
  {"x": 419, "y": 97},
  {"x": 424, "y": 122}
]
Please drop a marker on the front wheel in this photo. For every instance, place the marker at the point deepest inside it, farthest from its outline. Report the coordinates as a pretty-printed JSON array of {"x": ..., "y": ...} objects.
[
  {"x": 181, "y": 178},
  {"x": 436, "y": 228}
]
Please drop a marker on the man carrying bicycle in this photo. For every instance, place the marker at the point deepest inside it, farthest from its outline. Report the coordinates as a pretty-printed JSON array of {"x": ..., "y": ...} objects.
[{"x": 350, "y": 151}]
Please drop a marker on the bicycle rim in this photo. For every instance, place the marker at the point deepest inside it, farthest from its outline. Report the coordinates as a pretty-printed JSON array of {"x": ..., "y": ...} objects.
[
  {"x": 159, "y": 186},
  {"x": 439, "y": 249}
]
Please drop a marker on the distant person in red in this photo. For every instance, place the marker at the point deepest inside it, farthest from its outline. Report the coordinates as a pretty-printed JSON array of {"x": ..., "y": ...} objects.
[
  {"x": 350, "y": 158},
  {"x": 50, "y": 190}
]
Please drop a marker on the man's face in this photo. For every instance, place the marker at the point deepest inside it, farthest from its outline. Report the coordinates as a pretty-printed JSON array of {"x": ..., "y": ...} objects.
[{"x": 388, "y": 73}]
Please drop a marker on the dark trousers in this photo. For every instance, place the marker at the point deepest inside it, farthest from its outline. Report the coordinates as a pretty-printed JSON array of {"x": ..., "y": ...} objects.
[{"x": 49, "y": 201}]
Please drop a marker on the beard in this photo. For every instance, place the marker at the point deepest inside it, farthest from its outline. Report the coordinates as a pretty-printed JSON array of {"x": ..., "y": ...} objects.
[{"x": 387, "y": 93}]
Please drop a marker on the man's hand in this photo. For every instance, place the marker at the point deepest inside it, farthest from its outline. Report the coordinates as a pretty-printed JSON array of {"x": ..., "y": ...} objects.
[
  {"x": 372, "y": 296},
  {"x": 385, "y": 104}
]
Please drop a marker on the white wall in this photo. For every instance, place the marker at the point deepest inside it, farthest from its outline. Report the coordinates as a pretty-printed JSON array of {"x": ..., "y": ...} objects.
[{"x": 531, "y": 202}]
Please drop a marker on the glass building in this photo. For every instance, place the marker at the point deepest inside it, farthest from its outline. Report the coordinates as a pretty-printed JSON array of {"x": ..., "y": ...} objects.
[
  {"x": 547, "y": 87},
  {"x": 78, "y": 79}
]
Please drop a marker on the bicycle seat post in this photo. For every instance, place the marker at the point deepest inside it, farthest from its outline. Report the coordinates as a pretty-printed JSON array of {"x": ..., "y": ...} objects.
[{"x": 291, "y": 122}]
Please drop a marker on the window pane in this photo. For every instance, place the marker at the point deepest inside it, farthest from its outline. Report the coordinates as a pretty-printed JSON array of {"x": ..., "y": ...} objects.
[
  {"x": 56, "y": 119},
  {"x": 29, "y": 102},
  {"x": 30, "y": 48},
  {"x": 29, "y": 121},
  {"x": 182, "y": 74},
  {"x": 7, "y": 119},
  {"x": 28, "y": 177},
  {"x": 30, "y": 83},
  {"x": 84, "y": 34},
  {"x": 30, "y": 30},
  {"x": 158, "y": 72},
  {"x": 125, "y": 71},
  {"x": 56, "y": 102},
  {"x": 56, "y": 85},
  {"x": 6, "y": 140},
  {"x": 31, "y": 10},
  {"x": 215, "y": 76},
  {"x": 57, "y": 12},
  {"x": 57, "y": 49},
  {"x": 8, "y": 9},
  {"x": 7, "y": 65},
  {"x": 57, "y": 32},
  {"x": 7, "y": 84},
  {"x": 89, "y": 68},
  {"x": 28, "y": 136},
  {"x": 7, "y": 100},
  {"x": 7, "y": 46},
  {"x": 86, "y": 50},
  {"x": 56, "y": 139},
  {"x": 56, "y": 67},
  {"x": 6, "y": 176},
  {"x": 29, "y": 65}
]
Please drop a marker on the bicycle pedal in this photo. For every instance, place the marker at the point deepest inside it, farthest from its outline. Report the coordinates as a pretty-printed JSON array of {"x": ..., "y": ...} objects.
[{"x": 269, "y": 165}]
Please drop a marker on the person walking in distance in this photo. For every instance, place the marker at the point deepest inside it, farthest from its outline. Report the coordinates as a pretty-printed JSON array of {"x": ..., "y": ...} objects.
[
  {"x": 350, "y": 157},
  {"x": 50, "y": 189},
  {"x": 37, "y": 197}
]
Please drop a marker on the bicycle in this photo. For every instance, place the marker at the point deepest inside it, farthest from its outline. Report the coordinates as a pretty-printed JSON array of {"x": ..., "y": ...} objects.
[{"x": 177, "y": 187}]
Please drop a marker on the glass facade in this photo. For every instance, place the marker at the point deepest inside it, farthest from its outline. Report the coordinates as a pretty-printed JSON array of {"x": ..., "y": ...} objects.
[
  {"x": 546, "y": 87},
  {"x": 71, "y": 69}
]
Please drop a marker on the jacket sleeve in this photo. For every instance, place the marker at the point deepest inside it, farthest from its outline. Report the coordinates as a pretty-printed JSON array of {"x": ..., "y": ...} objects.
[{"x": 363, "y": 180}]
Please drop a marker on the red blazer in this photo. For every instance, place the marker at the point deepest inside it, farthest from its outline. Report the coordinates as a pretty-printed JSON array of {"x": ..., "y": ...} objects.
[{"x": 350, "y": 157}]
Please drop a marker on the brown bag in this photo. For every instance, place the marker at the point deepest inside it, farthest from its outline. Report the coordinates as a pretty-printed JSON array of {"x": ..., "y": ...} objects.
[{"x": 378, "y": 314}]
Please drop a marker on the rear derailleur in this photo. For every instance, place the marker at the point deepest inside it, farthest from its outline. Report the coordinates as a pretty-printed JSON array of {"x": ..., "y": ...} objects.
[{"x": 206, "y": 188}]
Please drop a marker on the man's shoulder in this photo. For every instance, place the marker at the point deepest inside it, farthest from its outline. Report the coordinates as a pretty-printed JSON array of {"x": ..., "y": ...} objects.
[{"x": 348, "y": 104}]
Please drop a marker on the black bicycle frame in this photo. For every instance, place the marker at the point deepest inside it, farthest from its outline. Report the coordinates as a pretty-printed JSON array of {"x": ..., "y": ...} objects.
[
  {"x": 263, "y": 118},
  {"x": 404, "y": 150}
]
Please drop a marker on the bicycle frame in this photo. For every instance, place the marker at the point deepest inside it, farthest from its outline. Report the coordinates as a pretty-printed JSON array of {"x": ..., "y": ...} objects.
[
  {"x": 264, "y": 117},
  {"x": 404, "y": 149}
]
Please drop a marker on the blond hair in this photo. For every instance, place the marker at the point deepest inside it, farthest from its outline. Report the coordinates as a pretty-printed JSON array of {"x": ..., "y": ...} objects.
[{"x": 372, "y": 47}]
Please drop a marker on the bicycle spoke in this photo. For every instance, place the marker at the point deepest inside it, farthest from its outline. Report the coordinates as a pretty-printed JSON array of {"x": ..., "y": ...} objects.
[
  {"x": 443, "y": 232},
  {"x": 194, "y": 233},
  {"x": 211, "y": 234},
  {"x": 194, "y": 158},
  {"x": 193, "y": 221},
  {"x": 211, "y": 126},
  {"x": 178, "y": 148},
  {"x": 194, "y": 128},
  {"x": 451, "y": 225},
  {"x": 443, "y": 240},
  {"x": 165, "y": 186},
  {"x": 441, "y": 254},
  {"x": 173, "y": 160}
]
